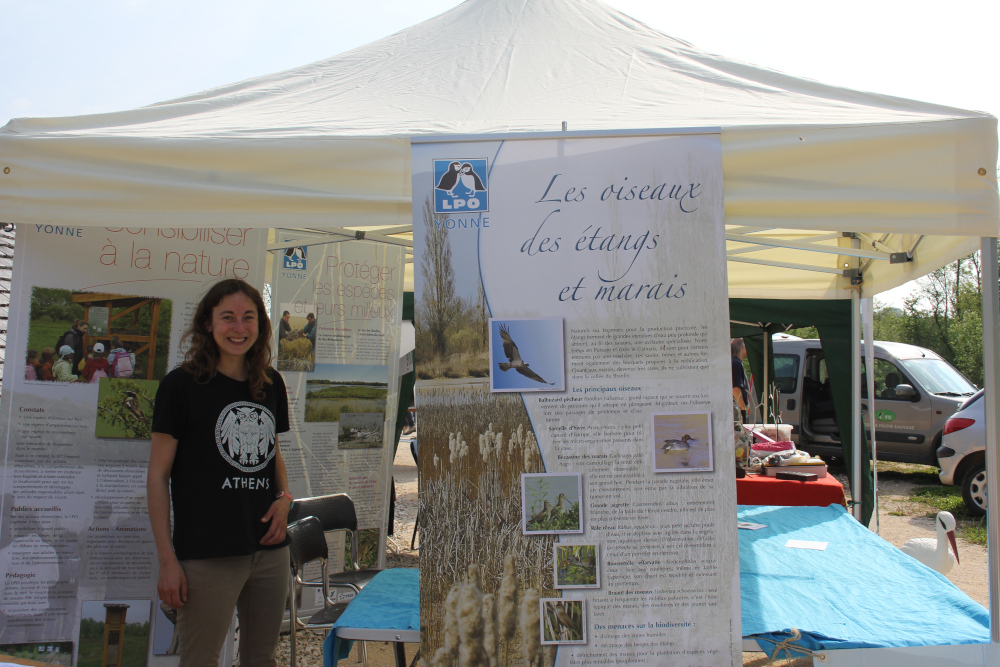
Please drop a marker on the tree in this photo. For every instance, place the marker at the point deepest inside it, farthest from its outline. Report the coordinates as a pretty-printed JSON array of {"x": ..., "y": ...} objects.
[{"x": 440, "y": 303}]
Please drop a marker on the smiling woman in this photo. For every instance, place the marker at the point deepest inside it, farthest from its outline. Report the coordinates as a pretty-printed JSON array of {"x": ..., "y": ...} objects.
[{"x": 215, "y": 459}]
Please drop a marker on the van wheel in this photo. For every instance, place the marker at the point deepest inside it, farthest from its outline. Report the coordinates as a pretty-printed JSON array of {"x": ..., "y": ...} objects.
[{"x": 974, "y": 489}]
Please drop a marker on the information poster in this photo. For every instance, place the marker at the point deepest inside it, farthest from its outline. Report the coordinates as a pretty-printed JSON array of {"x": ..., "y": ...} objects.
[
  {"x": 576, "y": 434},
  {"x": 76, "y": 550},
  {"x": 337, "y": 310}
]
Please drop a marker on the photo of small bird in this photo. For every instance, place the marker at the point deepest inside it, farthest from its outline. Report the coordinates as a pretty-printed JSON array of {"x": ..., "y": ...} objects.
[
  {"x": 514, "y": 359},
  {"x": 132, "y": 405}
]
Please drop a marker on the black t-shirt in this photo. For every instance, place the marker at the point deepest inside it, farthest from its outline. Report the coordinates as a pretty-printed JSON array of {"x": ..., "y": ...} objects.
[
  {"x": 223, "y": 478},
  {"x": 740, "y": 379}
]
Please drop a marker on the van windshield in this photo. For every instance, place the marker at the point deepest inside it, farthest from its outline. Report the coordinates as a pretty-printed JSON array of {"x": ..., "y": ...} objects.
[{"x": 939, "y": 377}]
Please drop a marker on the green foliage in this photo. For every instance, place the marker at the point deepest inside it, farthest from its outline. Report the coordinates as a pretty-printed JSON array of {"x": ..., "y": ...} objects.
[
  {"x": 577, "y": 565},
  {"x": 944, "y": 314},
  {"x": 349, "y": 392},
  {"x": 54, "y": 303},
  {"x": 949, "y": 499},
  {"x": 114, "y": 412}
]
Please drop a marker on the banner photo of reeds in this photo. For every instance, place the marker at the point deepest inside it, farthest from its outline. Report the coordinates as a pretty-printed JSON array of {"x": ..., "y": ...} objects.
[{"x": 474, "y": 447}]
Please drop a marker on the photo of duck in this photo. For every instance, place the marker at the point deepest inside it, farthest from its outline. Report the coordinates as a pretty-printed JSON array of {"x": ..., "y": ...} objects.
[
  {"x": 682, "y": 441},
  {"x": 677, "y": 444}
]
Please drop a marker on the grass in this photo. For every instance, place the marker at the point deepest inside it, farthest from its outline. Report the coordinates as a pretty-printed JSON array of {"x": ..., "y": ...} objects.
[{"x": 942, "y": 498}]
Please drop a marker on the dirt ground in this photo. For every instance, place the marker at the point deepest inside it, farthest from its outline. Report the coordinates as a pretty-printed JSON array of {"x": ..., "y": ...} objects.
[{"x": 971, "y": 575}]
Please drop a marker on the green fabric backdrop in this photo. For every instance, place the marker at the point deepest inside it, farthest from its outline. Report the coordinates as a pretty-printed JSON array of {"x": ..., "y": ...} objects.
[{"x": 832, "y": 318}]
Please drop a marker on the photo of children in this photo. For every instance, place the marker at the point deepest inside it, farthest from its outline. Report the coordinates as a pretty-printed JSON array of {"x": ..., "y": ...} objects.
[
  {"x": 296, "y": 337},
  {"x": 82, "y": 337}
]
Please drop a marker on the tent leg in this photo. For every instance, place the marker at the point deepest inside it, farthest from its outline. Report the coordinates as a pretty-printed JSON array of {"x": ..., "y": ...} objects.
[
  {"x": 857, "y": 488},
  {"x": 868, "y": 328},
  {"x": 991, "y": 357}
]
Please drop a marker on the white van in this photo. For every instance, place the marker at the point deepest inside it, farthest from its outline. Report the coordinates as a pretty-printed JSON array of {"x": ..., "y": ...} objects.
[{"x": 916, "y": 391}]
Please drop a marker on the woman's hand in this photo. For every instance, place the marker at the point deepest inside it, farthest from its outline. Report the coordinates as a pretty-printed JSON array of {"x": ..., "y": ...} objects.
[
  {"x": 172, "y": 584},
  {"x": 277, "y": 514}
]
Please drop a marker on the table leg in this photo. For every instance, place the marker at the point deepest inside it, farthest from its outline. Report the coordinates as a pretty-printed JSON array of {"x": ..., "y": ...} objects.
[{"x": 400, "y": 654}]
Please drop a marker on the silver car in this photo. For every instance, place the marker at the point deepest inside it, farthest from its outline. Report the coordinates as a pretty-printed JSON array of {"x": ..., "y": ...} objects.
[{"x": 962, "y": 454}]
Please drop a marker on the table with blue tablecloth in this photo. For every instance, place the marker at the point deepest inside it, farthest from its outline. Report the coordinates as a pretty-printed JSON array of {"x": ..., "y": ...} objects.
[
  {"x": 387, "y": 609},
  {"x": 859, "y": 592}
]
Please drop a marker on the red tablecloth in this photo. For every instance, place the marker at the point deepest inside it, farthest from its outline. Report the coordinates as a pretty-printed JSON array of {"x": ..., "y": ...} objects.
[{"x": 762, "y": 490}]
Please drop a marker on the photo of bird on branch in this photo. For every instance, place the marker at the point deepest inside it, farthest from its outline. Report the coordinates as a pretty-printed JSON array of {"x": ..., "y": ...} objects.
[{"x": 125, "y": 408}]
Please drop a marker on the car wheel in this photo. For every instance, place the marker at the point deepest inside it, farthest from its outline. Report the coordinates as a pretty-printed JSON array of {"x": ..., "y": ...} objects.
[{"x": 974, "y": 489}]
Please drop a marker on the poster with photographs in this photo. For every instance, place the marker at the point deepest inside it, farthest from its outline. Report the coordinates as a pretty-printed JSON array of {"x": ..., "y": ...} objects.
[
  {"x": 337, "y": 318},
  {"x": 682, "y": 441},
  {"x": 567, "y": 289},
  {"x": 551, "y": 503},
  {"x": 576, "y": 565},
  {"x": 97, "y": 316}
]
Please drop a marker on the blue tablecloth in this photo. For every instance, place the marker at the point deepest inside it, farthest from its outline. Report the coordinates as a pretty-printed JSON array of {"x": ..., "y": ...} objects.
[
  {"x": 390, "y": 601},
  {"x": 861, "y": 592}
]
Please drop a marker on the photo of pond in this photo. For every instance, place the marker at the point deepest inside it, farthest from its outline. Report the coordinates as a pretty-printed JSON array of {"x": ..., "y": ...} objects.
[{"x": 335, "y": 388}]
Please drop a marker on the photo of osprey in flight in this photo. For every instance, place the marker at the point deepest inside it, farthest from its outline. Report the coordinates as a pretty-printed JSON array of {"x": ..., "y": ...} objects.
[{"x": 514, "y": 359}]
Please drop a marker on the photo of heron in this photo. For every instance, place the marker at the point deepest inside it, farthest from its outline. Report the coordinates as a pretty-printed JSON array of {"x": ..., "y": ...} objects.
[
  {"x": 576, "y": 566},
  {"x": 526, "y": 354},
  {"x": 125, "y": 408},
  {"x": 682, "y": 441},
  {"x": 551, "y": 503},
  {"x": 563, "y": 621}
]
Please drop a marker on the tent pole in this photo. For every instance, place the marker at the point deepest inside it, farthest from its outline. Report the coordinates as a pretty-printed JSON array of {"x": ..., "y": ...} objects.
[
  {"x": 857, "y": 488},
  {"x": 767, "y": 389},
  {"x": 991, "y": 357},
  {"x": 868, "y": 329}
]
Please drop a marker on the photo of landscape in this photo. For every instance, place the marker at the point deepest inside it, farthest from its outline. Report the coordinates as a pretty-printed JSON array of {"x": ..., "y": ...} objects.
[{"x": 335, "y": 388}]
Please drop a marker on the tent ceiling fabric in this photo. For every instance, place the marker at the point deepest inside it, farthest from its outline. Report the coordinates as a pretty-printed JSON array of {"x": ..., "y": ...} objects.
[{"x": 327, "y": 144}]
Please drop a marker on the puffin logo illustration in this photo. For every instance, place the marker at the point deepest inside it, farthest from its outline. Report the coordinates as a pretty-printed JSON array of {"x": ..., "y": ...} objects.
[
  {"x": 295, "y": 258},
  {"x": 244, "y": 434},
  {"x": 461, "y": 186}
]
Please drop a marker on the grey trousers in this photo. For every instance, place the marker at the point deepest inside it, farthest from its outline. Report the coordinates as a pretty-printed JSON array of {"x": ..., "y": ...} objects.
[{"x": 255, "y": 585}]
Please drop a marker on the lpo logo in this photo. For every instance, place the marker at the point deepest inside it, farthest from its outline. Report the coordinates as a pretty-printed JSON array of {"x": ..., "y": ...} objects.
[
  {"x": 295, "y": 258},
  {"x": 461, "y": 186}
]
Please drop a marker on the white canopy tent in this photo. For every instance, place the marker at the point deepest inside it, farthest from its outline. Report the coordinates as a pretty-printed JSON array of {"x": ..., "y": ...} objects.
[{"x": 326, "y": 146}]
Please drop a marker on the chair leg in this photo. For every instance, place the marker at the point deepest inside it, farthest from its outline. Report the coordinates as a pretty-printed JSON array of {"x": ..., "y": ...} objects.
[
  {"x": 416, "y": 524},
  {"x": 292, "y": 620}
]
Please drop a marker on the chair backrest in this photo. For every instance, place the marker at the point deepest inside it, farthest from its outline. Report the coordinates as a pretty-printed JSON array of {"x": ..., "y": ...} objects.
[
  {"x": 335, "y": 511},
  {"x": 308, "y": 542}
]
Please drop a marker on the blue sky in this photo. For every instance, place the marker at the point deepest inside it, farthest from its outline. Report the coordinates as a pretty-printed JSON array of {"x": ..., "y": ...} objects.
[
  {"x": 66, "y": 57},
  {"x": 539, "y": 343}
]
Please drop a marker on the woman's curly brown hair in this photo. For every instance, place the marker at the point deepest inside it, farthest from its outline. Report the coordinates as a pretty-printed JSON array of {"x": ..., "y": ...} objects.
[{"x": 203, "y": 355}]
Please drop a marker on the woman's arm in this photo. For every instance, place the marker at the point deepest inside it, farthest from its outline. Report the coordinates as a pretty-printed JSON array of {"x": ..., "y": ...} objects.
[
  {"x": 172, "y": 584},
  {"x": 277, "y": 513}
]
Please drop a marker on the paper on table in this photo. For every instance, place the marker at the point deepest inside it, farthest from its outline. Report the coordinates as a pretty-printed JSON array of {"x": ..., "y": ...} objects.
[
  {"x": 746, "y": 525},
  {"x": 806, "y": 544}
]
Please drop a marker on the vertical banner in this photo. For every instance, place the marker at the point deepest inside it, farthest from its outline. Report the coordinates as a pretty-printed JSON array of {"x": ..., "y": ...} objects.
[
  {"x": 77, "y": 559},
  {"x": 337, "y": 310},
  {"x": 576, "y": 442}
]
